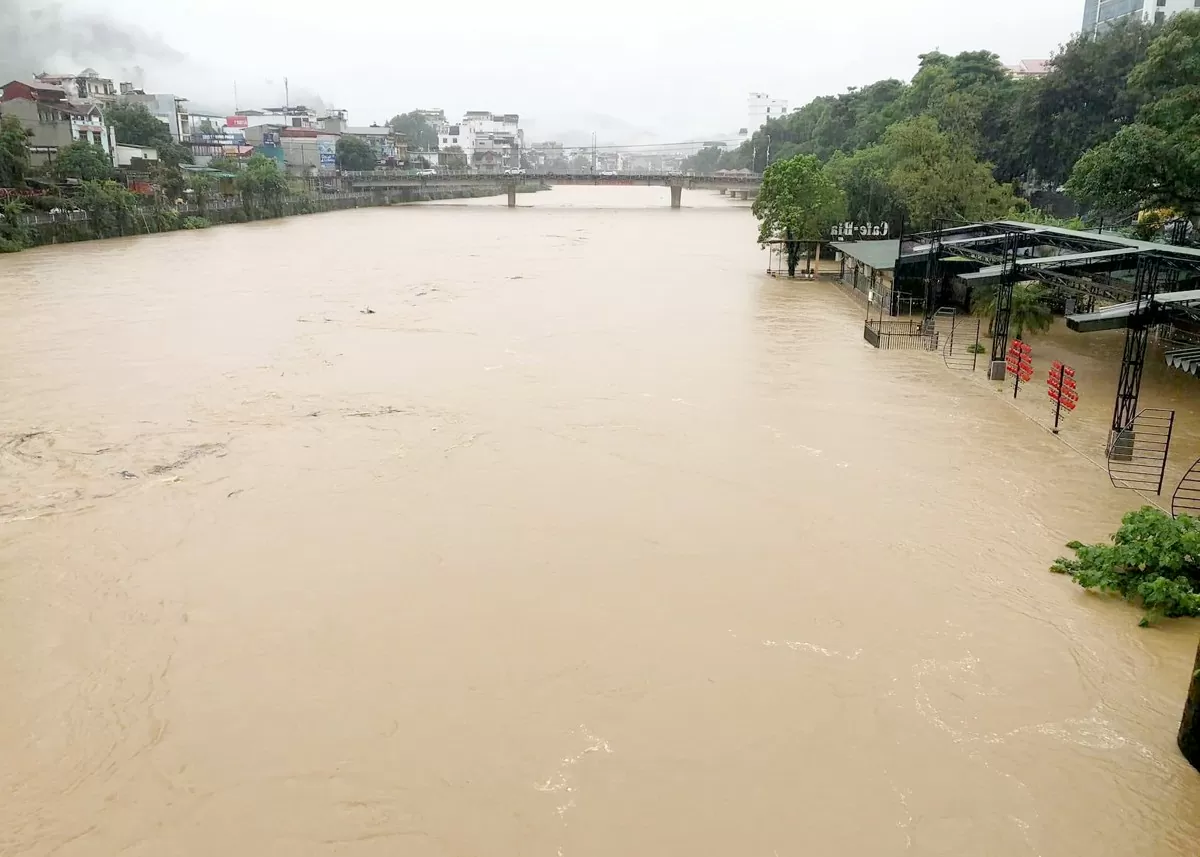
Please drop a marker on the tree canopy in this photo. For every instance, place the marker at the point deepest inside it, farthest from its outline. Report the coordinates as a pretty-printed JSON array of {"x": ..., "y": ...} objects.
[
  {"x": 416, "y": 128},
  {"x": 85, "y": 161},
  {"x": 137, "y": 126},
  {"x": 797, "y": 201},
  {"x": 1155, "y": 161},
  {"x": 354, "y": 153},
  {"x": 1122, "y": 104},
  {"x": 262, "y": 185},
  {"x": 14, "y": 152}
]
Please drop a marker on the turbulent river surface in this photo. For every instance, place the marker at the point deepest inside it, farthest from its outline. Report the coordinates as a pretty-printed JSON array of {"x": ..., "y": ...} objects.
[{"x": 588, "y": 539}]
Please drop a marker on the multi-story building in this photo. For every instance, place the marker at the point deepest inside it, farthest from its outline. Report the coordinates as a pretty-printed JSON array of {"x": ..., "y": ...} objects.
[
  {"x": 491, "y": 142},
  {"x": 167, "y": 108},
  {"x": 1099, "y": 14},
  {"x": 53, "y": 120},
  {"x": 761, "y": 107},
  {"x": 292, "y": 117},
  {"x": 86, "y": 87}
]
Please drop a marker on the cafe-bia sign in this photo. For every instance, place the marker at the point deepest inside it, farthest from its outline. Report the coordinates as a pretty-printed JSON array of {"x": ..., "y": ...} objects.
[{"x": 848, "y": 230}]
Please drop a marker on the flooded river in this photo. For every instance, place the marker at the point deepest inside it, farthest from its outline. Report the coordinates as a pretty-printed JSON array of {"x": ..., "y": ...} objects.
[{"x": 589, "y": 539}]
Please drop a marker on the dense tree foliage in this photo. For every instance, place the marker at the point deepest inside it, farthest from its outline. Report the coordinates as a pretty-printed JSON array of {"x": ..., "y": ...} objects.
[
  {"x": 946, "y": 143},
  {"x": 14, "y": 152},
  {"x": 454, "y": 158},
  {"x": 798, "y": 201},
  {"x": 918, "y": 173},
  {"x": 354, "y": 153},
  {"x": 137, "y": 126},
  {"x": 85, "y": 161},
  {"x": 417, "y": 131},
  {"x": 1029, "y": 313},
  {"x": 1153, "y": 561},
  {"x": 263, "y": 186},
  {"x": 1155, "y": 161}
]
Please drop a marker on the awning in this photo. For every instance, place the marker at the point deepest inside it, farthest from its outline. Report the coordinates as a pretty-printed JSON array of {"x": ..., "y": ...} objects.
[{"x": 880, "y": 255}]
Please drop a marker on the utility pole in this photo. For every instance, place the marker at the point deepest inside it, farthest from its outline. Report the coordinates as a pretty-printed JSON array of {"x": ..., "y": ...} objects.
[
  {"x": 1189, "y": 729},
  {"x": 287, "y": 98}
]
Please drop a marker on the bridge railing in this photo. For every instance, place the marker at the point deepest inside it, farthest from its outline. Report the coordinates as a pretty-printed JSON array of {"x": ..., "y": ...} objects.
[{"x": 471, "y": 175}]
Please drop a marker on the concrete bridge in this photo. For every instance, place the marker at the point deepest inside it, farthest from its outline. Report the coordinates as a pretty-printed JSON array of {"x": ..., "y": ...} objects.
[{"x": 743, "y": 186}]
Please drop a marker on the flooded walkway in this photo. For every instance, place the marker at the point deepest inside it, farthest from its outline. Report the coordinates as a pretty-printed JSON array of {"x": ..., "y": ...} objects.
[{"x": 590, "y": 539}]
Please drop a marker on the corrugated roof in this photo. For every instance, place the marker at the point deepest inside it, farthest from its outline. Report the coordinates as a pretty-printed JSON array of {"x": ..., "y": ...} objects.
[{"x": 880, "y": 255}]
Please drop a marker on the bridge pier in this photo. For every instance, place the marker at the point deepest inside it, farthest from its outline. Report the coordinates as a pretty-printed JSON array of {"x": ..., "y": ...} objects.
[
  {"x": 676, "y": 196},
  {"x": 512, "y": 196}
]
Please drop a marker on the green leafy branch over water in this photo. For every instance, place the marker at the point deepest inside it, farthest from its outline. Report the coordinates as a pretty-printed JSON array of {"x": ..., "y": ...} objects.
[{"x": 1153, "y": 561}]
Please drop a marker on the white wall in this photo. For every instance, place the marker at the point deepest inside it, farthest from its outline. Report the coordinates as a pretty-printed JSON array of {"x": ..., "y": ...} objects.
[{"x": 760, "y": 107}]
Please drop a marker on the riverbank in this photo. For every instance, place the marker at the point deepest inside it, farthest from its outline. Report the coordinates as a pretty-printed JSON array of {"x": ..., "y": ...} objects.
[{"x": 43, "y": 229}]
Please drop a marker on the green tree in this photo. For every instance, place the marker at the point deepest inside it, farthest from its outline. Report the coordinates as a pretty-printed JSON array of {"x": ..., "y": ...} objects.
[
  {"x": 112, "y": 209},
  {"x": 454, "y": 158},
  {"x": 1155, "y": 162},
  {"x": 84, "y": 161},
  {"x": 15, "y": 231},
  {"x": 1153, "y": 561},
  {"x": 201, "y": 187},
  {"x": 705, "y": 160},
  {"x": 354, "y": 153},
  {"x": 137, "y": 126},
  {"x": 416, "y": 130},
  {"x": 14, "y": 152},
  {"x": 797, "y": 202},
  {"x": 934, "y": 175},
  {"x": 1084, "y": 99},
  {"x": 1029, "y": 313},
  {"x": 223, "y": 164},
  {"x": 263, "y": 187}
]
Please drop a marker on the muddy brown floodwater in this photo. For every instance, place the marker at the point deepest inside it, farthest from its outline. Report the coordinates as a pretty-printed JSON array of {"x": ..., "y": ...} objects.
[{"x": 589, "y": 540}]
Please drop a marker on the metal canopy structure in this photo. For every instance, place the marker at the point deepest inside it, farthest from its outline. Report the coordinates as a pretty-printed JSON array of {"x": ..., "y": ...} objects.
[{"x": 1150, "y": 284}]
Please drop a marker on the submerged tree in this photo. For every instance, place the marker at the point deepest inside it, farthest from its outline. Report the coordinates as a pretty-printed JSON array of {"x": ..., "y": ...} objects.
[
  {"x": 798, "y": 202},
  {"x": 1153, "y": 561},
  {"x": 1029, "y": 313}
]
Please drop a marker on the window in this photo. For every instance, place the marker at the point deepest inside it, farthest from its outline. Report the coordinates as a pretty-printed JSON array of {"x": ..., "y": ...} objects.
[
  {"x": 1162, "y": 2},
  {"x": 83, "y": 136},
  {"x": 456, "y": 139},
  {"x": 295, "y": 121},
  {"x": 97, "y": 139},
  {"x": 1159, "y": 17}
]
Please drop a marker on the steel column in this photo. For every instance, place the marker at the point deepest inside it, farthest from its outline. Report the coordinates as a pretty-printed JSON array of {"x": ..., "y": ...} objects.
[
  {"x": 1133, "y": 359},
  {"x": 1004, "y": 297}
]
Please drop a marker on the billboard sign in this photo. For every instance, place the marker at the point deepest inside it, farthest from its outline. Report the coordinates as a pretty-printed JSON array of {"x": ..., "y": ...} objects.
[
  {"x": 328, "y": 152},
  {"x": 236, "y": 122}
]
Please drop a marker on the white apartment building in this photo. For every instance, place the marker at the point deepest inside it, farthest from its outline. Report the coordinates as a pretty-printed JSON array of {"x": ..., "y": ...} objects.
[
  {"x": 1099, "y": 14},
  {"x": 491, "y": 141},
  {"x": 761, "y": 107}
]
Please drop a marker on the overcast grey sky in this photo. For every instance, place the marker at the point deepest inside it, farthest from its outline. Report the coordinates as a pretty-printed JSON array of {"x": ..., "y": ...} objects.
[{"x": 674, "y": 69}]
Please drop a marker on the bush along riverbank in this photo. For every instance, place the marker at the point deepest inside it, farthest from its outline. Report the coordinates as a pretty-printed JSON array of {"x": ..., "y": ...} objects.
[
  {"x": 1154, "y": 562},
  {"x": 106, "y": 209}
]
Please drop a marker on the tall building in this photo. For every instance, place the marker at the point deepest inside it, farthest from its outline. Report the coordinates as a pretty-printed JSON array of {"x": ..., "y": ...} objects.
[
  {"x": 491, "y": 142},
  {"x": 1099, "y": 14},
  {"x": 762, "y": 107}
]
